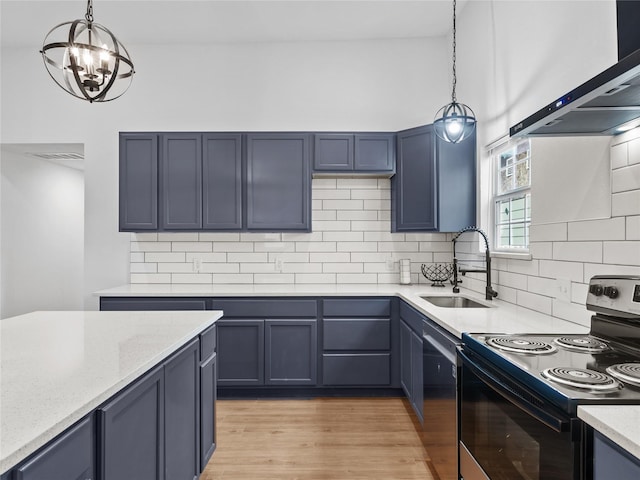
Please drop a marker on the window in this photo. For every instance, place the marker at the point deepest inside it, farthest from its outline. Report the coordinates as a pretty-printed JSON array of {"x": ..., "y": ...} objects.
[{"x": 512, "y": 195}]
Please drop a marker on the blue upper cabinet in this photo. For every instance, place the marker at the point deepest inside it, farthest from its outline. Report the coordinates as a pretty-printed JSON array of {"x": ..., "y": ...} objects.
[
  {"x": 278, "y": 182},
  {"x": 222, "y": 181},
  {"x": 181, "y": 185},
  {"x": 434, "y": 188},
  {"x": 138, "y": 182},
  {"x": 371, "y": 153}
]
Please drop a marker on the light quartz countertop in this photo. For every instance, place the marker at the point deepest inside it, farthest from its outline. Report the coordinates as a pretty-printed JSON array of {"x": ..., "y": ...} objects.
[
  {"x": 619, "y": 423},
  {"x": 500, "y": 317},
  {"x": 56, "y": 367}
]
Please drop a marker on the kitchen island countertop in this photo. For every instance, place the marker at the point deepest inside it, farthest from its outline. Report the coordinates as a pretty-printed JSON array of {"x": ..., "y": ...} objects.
[{"x": 56, "y": 367}]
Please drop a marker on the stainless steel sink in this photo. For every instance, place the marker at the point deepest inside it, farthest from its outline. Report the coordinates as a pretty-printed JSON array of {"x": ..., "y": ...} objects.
[{"x": 451, "y": 301}]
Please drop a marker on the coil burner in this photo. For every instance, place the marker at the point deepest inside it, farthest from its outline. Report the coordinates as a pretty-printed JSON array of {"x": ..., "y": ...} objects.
[
  {"x": 627, "y": 372},
  {"x": 585, "y": 344},
  {"x": 520, "y": 345},
  {"x": 582, "y": 378}
]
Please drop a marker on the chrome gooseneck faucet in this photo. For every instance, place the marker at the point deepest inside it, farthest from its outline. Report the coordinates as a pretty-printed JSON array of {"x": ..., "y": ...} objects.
[{"x": 490, "y": 293}]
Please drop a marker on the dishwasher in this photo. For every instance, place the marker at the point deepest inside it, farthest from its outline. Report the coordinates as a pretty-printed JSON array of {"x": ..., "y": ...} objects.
[{"x": 440, "y": 426}]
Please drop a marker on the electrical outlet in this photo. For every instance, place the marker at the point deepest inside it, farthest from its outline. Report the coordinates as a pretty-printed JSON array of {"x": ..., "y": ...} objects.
[
  {"x": 563, "y": 289},
  {"x": 197, "y": 265},
  {"x": 390, "y": 264},
  {"x": 279, "y": 264}
]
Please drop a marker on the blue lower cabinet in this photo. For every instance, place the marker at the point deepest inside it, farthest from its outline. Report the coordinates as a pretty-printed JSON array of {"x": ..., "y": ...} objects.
[
  {"x": 610, "y": 461},
  {"x": 240, "y": 352},
  {"x": 356, "y": 369},
  {"x": 182, "y": 414},
  {"x": 71, "y": 456},
  {"x": 290, "y": 352},
  {"x": 207, "y": 410},
  {"x": 132, "y": 431}
]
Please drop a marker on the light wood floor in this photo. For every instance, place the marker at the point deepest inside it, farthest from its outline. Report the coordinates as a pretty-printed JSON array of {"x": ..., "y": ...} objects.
[{"x": 326, "y": 438}]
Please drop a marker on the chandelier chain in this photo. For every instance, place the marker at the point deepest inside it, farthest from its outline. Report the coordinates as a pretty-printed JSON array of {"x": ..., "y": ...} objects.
[
  {"x": 89, "y": 15},
  {"x": 453, "y": 90}
]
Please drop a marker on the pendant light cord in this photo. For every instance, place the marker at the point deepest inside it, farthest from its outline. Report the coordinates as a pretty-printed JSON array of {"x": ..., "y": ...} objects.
[{"x": 453, "y": 90}]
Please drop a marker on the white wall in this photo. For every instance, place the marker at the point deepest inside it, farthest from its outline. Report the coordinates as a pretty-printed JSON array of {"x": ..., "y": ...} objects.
[
  {"x": 42, "y": 236},
  {"x": 360, "y": 85}
]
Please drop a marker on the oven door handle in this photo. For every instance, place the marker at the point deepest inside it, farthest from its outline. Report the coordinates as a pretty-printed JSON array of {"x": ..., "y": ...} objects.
[{"x": 550, "y": 420}]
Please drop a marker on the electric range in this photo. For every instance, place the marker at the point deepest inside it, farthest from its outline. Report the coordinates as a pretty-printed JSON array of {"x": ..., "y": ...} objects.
[{"x": 519, "y": 394}]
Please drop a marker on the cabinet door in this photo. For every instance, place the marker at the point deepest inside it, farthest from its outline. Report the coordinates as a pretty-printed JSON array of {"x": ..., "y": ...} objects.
[
  {"x": 290, "y": 352},
  {"x": 132, "y": 426},
  {"x": 375, "y": 152},
  {"x": 278, "y": 182},
  {"x": 610, "y": 461},
  {"x": 222, "y": 181},
  {"x": 417, "y": 393},
  {"x": 182, "y": 414},
  {"x": 456, "y": 184},
  {"x": 333, "y": 152},
  {"x": 207, "y": 410},
  {"x": 240, "y": 352},
  {"x": 71, "y": 456},
  {"x": 138, "y": 182},
  {"x": 413, "y": 187},
  {"x": 181, "y": 181},
  {"x": 405, "y": 360}
]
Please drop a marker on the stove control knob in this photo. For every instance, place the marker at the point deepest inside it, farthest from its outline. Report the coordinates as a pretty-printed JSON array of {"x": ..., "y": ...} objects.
[
  {"x": 611, "y": 292},
  {"x": 596, "y": 289}
]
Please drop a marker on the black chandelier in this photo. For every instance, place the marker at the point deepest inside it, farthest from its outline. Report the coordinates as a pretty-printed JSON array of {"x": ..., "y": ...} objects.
[
  {"x": 87, "y": 60},
  {"x": 455, "y": 121}
]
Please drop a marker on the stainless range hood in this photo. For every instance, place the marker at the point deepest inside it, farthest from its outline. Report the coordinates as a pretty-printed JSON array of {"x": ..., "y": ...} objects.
[{"x": 599, "y": 106}]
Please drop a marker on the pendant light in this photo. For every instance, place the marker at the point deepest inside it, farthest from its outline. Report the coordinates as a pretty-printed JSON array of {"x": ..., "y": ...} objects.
[
  {"x": 87, "y": 60},
  {"x": 455, "y": 121}
]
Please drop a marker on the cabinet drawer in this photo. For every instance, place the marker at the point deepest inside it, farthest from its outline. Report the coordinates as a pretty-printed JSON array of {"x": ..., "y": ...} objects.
[
  {"x": 120, "y": 304},
  {"x": 69, "y": 456},
  {"x": 360, "y": 307},
  {"x": 357, "y": 334},
  {"x": 207, "y": 343},
  {"x": 412, "y": 317},
  {"x": 356, "y": 369},
  {"x": 249, "y": 308}
]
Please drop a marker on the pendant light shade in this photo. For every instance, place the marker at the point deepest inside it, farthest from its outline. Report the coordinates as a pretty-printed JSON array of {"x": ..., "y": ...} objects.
[
  {"x": 455, "y": 121},
  {"x": 87, "y": 60}
]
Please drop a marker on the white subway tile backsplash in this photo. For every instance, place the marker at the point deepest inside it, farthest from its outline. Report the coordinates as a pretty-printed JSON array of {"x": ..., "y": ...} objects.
[
  {"x": 355, "y": 183},
  {"x": 384, "y": 215},
  {"x": 342, "y": 236},
  {"x": 144, "y": 268},
  {"x": 541, "y": 250},
  {"x": 210, "y": 257},
  {"x": 626, "y": 178},
  {"x": 191, "y": 246},
  {"x": 400, "y": 247},
  {"x": 356, "y": 215},
  {"x": 427, "y": 237},
  {"x": 219, "y": 237},
  {"x": 579, "y": 292},
  {"x": 190, "y": 278},
  {"x": 315, "y": 278},
  {"x": 591, "y": 269},
  {"x": 302, "y": 267},
  {"x": 578, "y": 251},
  {"x": 619, "y": 155},
  {"x": 291, "y": 257},
  {"x": 542, "y": 286},
  {"x": 625, "y": 203},
  {"x": 377, "y": 226},
  {"x": 232, "y": 247},
  {"x": 273, "y": 278},
  {"x": 357, "y": 247},
  {"x": 633, "y": 228},
  {"x": 240, "y": 257},
  {"x": 622, "y": 253},
  {"x": 302, "y": 237},
  {"x": 527, "y": 267},
  {"x": 178, "y": 237},
  {"x": 166, "y": 257},
  {"x": 556, "y": 269},
  {"x": 322, "y": 183},
  {"x": 608, "y": 229},
  {"x": 342, "y": 268},
  {"x": 373, "y": 194},
  {"x": 274, "y": 246},
  {"x": 634, "y": 151},
  {"x": 330, "y": 257},
  {"x": 376, "y": 205},
  {"x": 150, "y": 278},
  {"x": 342, "y": 204},
  {"x": 512, "y": 280},
  {"x": 221, "y": 268},
  {"x": 379, "y": 236},
  {"x": 436, "y": 247},
  {"x": 548, "y": 232},
  {"x": 225, "y": 278},
  {"x": 331, "y": 226},
  {"x": 260, "y": 237},
  {"x": 136, "y": 257},
  {"x": 175, "y": 268},
  {"x": 327, "y": 215},
  {"x": 533, "y": 301},
  {"x": 316, "y": 247},
  {"x": 356, "y": 278},
  {"x": 144, "y": 237},
  {"x": 571, "y": 312},
  {"x": 256, "y": 268},
  {"x": 150, "y": 246}
]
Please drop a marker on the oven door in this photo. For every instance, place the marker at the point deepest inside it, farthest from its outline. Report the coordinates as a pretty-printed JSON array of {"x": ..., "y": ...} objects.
[{"x": 507, "y": 432}]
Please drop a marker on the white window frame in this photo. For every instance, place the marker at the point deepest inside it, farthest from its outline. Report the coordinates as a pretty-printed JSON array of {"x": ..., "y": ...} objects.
[{"x": 496, "y": 197}]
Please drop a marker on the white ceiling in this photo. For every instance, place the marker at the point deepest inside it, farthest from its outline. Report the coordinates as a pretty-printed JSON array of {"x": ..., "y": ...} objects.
[{"x": 26, "y": 22}]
